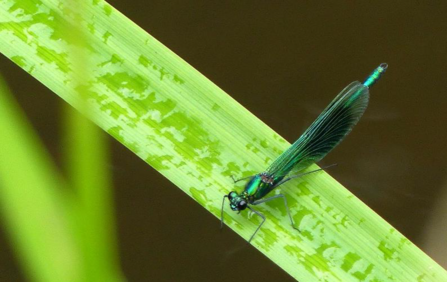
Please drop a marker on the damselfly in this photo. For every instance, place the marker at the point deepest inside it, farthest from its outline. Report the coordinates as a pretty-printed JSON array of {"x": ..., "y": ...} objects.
[{"x": 326, "y": 132}]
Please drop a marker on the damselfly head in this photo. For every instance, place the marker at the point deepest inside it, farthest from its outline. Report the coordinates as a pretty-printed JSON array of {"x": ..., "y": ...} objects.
[{"x": 237, "y": 202}]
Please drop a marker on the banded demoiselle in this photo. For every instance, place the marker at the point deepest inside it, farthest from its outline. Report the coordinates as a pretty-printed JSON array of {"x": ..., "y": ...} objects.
[{"x": 323, "y": 135}]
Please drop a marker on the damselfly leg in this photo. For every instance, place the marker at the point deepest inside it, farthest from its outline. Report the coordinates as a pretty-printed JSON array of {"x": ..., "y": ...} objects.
[{"x": 285, "y": 203}]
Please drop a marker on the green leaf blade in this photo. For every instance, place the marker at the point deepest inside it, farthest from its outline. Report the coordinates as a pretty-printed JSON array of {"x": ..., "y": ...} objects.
[{"x": 196, "y": 135}]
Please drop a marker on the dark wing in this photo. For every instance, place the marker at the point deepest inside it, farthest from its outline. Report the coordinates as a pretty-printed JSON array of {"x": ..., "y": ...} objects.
[{"x": 326, "y": 132}]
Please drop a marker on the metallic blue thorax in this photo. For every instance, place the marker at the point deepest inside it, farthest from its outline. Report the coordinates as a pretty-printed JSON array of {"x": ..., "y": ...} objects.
[{"x": 260, "y": 185}]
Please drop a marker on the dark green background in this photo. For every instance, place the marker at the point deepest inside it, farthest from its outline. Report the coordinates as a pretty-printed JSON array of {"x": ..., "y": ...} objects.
[{"x": 284, "y": 61}]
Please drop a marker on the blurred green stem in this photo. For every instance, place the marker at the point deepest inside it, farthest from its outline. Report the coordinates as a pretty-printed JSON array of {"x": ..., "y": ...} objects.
[
  {"x": 87, "y": 154},
  {"x": 32, "y": 203}
]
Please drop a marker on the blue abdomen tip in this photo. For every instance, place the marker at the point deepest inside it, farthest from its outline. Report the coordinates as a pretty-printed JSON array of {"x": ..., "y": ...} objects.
[{"x": 375, "y": 75}]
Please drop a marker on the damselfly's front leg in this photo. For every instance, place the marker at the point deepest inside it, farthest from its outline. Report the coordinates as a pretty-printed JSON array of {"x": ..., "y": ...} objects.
[
  {"x": 235, "y": 181},
  {"x": 221, "y": 212}
]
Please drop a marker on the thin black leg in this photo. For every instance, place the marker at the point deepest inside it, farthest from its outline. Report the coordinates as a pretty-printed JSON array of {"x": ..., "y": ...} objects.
[
  {"x": 221, "y": 212},
  {"x": 302, "y": 174},
  {"x": 259, "y": 227},
  {"x": 285, "y": 203},
  {"x": 235, "y": 181}
]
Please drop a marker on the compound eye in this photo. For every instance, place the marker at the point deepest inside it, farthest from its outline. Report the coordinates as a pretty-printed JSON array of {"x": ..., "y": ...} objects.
[
  {"x": 242, "y": 205},
  {"x": 232, "y": 195}
]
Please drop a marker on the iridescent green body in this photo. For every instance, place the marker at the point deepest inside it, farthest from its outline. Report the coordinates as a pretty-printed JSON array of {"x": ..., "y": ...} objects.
[
  {"x": 375, "y": 75},
  {"x": 323, "y": 135}
]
